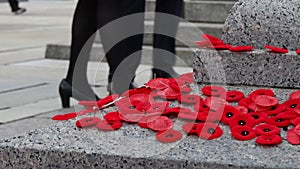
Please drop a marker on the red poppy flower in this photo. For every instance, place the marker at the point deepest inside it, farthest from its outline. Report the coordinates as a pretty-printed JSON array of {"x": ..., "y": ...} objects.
[
  {"x": 288, "y": 114},
  {"x": 267, "y": 92},
  {"x": 248, "y": 103},
  {"x": 279, "y": 122},
  {"x": 144, "y": 120},
  {"x": 158, "y": 83},
  {"x": 204, "y": 44},
  {"x": 228, "y": 113},
  {"x": 222, "y": 47},
  {"x": 265, "y": 101},
  {"x": 292, "y": 104},
  {"x": 160, "y": 123},
  {"x": 241, "y": 48},
  {"x": 275, "y": 49},
  {"x": 234, "y": 96},
  {"x": 295, "y": 121},
  {"x": 168, "y": 136},
  {"x": 188, "y": 115},
  {"x": 275, "y": 109},
  {"x": 298, "y": 51},
  {"x": 241, "y": 120},
  {"x": 87, "y": 122},
  {"x": 112, "y": 117},
  {"x": 62, "y": 117},
  {"x": 105, "y": 126},
  {"x": 209, "y": 131},
  {"x": 191, "y": 99},
  {"x": 243, "y": 133},
  {"x": 159, "y": 107},
  {"x": 190, "y": 128},
  {"x": 126, "y": 107},
  {"x": 201, "y": 107},
  {"x": 213, "y": 90},
  {"x": 268, "y": 140},
  {"x": 267, "y": 130},
  {"x": 292, "y": 137},
  {"x": 296, "y": 130},
  {"x": 259, "y": 117},
  {"x": 187, "y": 77},
  {"x": 141, "y": 90},
  {"x": 141, "y": 101},
  {"x": 106, "y": 100},
  {"x": 211, "y": 115},
  {"x": 295, "y": 95}
]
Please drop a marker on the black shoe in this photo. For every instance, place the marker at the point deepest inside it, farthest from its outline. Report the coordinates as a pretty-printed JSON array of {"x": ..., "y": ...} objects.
[
  {"x": 110, "y": 90},
  {"x": 158, "y": 73},
  {"x": 19, "y": 11},
  {"x": 66, "y": 91}
]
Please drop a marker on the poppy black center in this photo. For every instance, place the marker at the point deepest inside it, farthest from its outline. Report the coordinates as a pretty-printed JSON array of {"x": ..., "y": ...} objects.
[
  {"x": 279, "y": 120},
  {"x": 132, "y": 107},
  {"x": 255, "y": 116},
  {"x": 229, "y": 114},
  {"x": 170, "y": 135},
  {"x": 242, "y": 123},
  {"x": 210, "y": 131},
  {"x": 273, "y": 108},
  {"x": 244, "y": 133},
  {"x": 266, "y": 130},
  {"x": 293, "y": 106}
]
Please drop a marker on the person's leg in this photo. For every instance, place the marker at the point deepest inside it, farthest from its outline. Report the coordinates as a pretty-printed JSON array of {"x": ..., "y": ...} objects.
[
  {"x": 83, "y": 28},
  {"x": 14, "y": 5},
  {"x": 124, "y": 57},
  {"x": 164, "y": 46}
]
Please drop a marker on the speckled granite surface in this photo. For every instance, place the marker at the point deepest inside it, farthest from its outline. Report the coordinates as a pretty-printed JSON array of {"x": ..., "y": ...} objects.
[
  {"x": 248, "y": 68},
  {"x": 261, "y": 22},
  {"x": 65, "y": 146}
]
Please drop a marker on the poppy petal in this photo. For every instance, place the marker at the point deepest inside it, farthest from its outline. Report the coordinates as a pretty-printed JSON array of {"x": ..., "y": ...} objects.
[
  {"x": 292, "y": 137},
  {"x": 243, "y": 133},
  {"x": 265, "y": 101},
  {"x": 259, "y": 117},
  {"x": 191, "y": 99},
  {"x": 268, "y": 140},
  {"x": 298, "y": 51},
  {"x": 62, "y": 117},
  {"x": 112, "y": 117},
  {"x": 267, "y": 130},
  {"x": 105, "y": 126},
  {"x": 213, "y": 90},
  {"x": 87, "y": 122},
  {"x": 241, "y": 48},
  {"x": 242, "y": 120},
  {"x": 228, "y": 113},
  {"x": 234, "y": 96},
  {"x": 209, "y": 131},
  {"x": 275, "y": 49},
  {"x": 295, "y": 94},
  {"x": 190, "y": 128},
  {"x": 160, "y": 123},
  {"x": 168, "y": 136}
]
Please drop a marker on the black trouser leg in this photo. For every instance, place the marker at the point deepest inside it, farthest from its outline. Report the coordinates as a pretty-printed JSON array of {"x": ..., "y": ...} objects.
[{"x": 14, "y": 4}]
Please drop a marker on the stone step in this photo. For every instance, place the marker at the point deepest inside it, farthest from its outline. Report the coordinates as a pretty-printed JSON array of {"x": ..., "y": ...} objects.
[
  {"x": 258, "y": 67},
  {"x": 200, "y": 11},
  {"x": 187, "y": 32},
  {"x": 65, "y": 146},
  {"x": 62, "y": 51}
]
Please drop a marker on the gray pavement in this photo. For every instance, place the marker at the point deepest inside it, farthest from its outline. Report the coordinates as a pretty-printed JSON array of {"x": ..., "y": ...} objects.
[{"x": 28, "y": 81}]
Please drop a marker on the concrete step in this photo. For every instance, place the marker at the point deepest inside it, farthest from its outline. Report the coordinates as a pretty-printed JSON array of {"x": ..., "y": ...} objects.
[
  {"x": 200, "y": 11},
  {"x": 62, "y": 51},
  {"x": 187, "y": 32}
]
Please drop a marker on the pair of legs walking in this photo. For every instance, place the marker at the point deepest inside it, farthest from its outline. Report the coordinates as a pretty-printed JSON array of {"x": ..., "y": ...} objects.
[
  {"x": 124, "y": 57},
  {"x": 14, "y": 5}
]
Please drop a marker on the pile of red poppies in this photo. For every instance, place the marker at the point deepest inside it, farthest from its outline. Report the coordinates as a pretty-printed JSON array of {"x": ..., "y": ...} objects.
[
  {"x": 258, "y": 116},
  {"x": 212, "y": 42}
]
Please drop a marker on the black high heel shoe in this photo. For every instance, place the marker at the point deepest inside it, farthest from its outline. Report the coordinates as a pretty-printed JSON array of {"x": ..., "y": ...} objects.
[
  {"x": 158, "y": 73},
  {"x": 66, "y": 91}
]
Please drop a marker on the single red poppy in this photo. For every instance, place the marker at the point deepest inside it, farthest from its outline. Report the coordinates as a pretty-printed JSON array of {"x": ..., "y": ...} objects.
[
  {"x": 126, "y": 107},
  {"x": 112, "y": 117},
  {"x": 265, "y": 101},
  {"x": 298, "y": 51},
  {"x": 248, "y": 103},
  {"x": 204, "y": 44},
  {"x": 292, "y": 137},
  {"x": 279, "y": 122},
  {"x": 228, "y": 113},
  {"x": 160, "y": 123},
  {"x": 187, "y": 77},
  {"x": 276, "y": 109},
  {"x": 190, "y": 128},
  {"x": 211, "y": 115},
  {"x": 288, "y": 114},
  {"x": 267, "y": 129},
  {"x": 168, "y": 136},
  {"x": 213, "y": 90},
  {"x": 242, "y": 120},
  {"x": 141, "y": 101},
  {"x": 201, "y": 107},
  {"x": 243, "y": 133},
  {"x": 106, "y": 100},
  {"x": 87, "y": 122},
  {"x": 105, "y": 126},
  {"x": 209, "y": 131},
  {"x": 267, "y": 92},
  {"x": 268, "y": 140},
  {"x": 188, "y": 115},
  {"x": 275, "y": 49},
  {"x": 295, "y": 121},
  {"x": 144, "y": 120},
  {"x": 234, "y": 96},
  {"x": 292, "y": 104},
  {"x": 295, "y": 95},
  {"x": 241, "y": 48},
  {"x": 222, "y": 47},
  {"x": 158, "y": 83},
  {"x": 62, "y": 117},
  {"x": 259, "y": 117},
  {"x": 190, "y": 99},
  {"x": 296, "y": 130}
]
